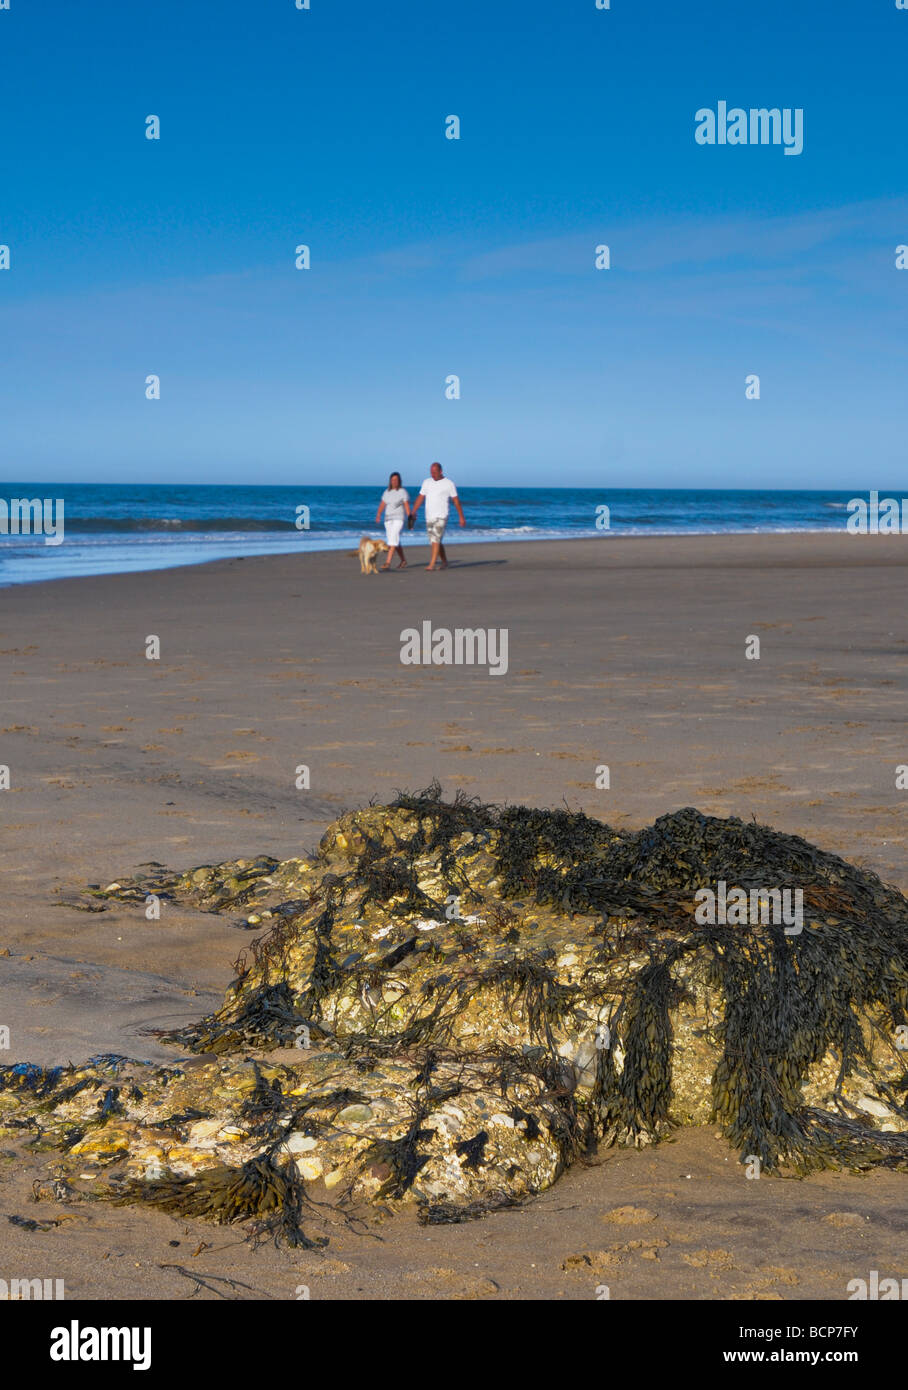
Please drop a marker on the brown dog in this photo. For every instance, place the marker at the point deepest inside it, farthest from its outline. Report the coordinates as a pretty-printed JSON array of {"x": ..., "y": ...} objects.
[{"x": 368, "y": 552}]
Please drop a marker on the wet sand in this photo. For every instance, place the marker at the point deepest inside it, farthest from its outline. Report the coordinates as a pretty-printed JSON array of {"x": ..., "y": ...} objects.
[{"x": 628, "y": 653}]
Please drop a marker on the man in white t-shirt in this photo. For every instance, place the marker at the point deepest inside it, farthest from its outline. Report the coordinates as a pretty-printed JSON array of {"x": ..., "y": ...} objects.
[{"x": 438, "y": 492}]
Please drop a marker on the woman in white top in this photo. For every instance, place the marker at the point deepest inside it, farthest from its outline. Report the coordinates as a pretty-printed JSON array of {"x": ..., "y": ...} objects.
[{"x": 395, "y": 503}]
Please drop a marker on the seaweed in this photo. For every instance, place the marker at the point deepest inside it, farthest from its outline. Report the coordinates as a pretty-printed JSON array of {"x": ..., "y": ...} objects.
[
  {"x": 472, "y": 1151},
  {"x": 26, "y": 1076},
  {"x": 269, "y": 1016},
  {"x": 273, "y": 1198},
  {"x": 444, "y": 1213},
  {"x": 398, "y": 1160}
]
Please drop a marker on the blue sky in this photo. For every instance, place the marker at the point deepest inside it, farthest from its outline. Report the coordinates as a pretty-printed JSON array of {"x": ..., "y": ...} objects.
[{"x": 432, "y": 257}]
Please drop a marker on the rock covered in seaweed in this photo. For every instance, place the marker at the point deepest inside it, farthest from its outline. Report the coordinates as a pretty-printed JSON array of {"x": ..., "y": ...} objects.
[{"x": 451, "y": 1001}]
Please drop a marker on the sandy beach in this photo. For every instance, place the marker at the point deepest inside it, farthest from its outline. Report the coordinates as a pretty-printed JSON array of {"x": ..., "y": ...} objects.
[{"x": 625, "y": 653}]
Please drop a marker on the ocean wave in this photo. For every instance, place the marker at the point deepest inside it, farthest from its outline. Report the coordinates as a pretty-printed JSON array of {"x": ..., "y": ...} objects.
[
  {"x": 289, "y": 540},
  {"x": 190, "y": 524}
]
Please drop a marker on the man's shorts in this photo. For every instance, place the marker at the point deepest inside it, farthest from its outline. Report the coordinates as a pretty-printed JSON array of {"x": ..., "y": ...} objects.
[{"x": 435, "y": 529}]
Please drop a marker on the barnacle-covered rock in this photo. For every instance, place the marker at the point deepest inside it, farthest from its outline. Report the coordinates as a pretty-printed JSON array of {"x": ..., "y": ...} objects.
[{"x": 450, "y": 1001}]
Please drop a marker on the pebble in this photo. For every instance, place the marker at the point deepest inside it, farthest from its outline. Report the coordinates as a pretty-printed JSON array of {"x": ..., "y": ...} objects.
[
  {"x": 203, "y": 1129},
  {"x": 355, "y": 1115},
  {"x": 309, "y": 1168},
  {"x": 874, "y": 1107},
  {"x": 299, "y": 1143}
]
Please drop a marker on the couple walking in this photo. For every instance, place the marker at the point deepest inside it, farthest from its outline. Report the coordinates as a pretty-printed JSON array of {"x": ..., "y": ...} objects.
[{"x": 438, "y": 492}]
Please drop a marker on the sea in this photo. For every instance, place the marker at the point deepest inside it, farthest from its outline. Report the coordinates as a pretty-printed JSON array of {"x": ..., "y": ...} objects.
[{"x": 119, "y": 528}]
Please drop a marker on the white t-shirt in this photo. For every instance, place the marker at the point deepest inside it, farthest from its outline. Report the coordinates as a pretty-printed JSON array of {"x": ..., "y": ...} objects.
[
  {"x": 394, "y": 499},
  {"x": 438, "y": 496}
]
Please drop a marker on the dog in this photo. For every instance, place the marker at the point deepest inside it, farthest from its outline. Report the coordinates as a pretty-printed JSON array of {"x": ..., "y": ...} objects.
[{"x": 368, "y": 552}]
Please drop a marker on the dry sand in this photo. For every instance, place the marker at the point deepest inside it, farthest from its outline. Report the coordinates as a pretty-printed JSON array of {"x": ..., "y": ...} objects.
[{"x": 623, "y": 652}]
